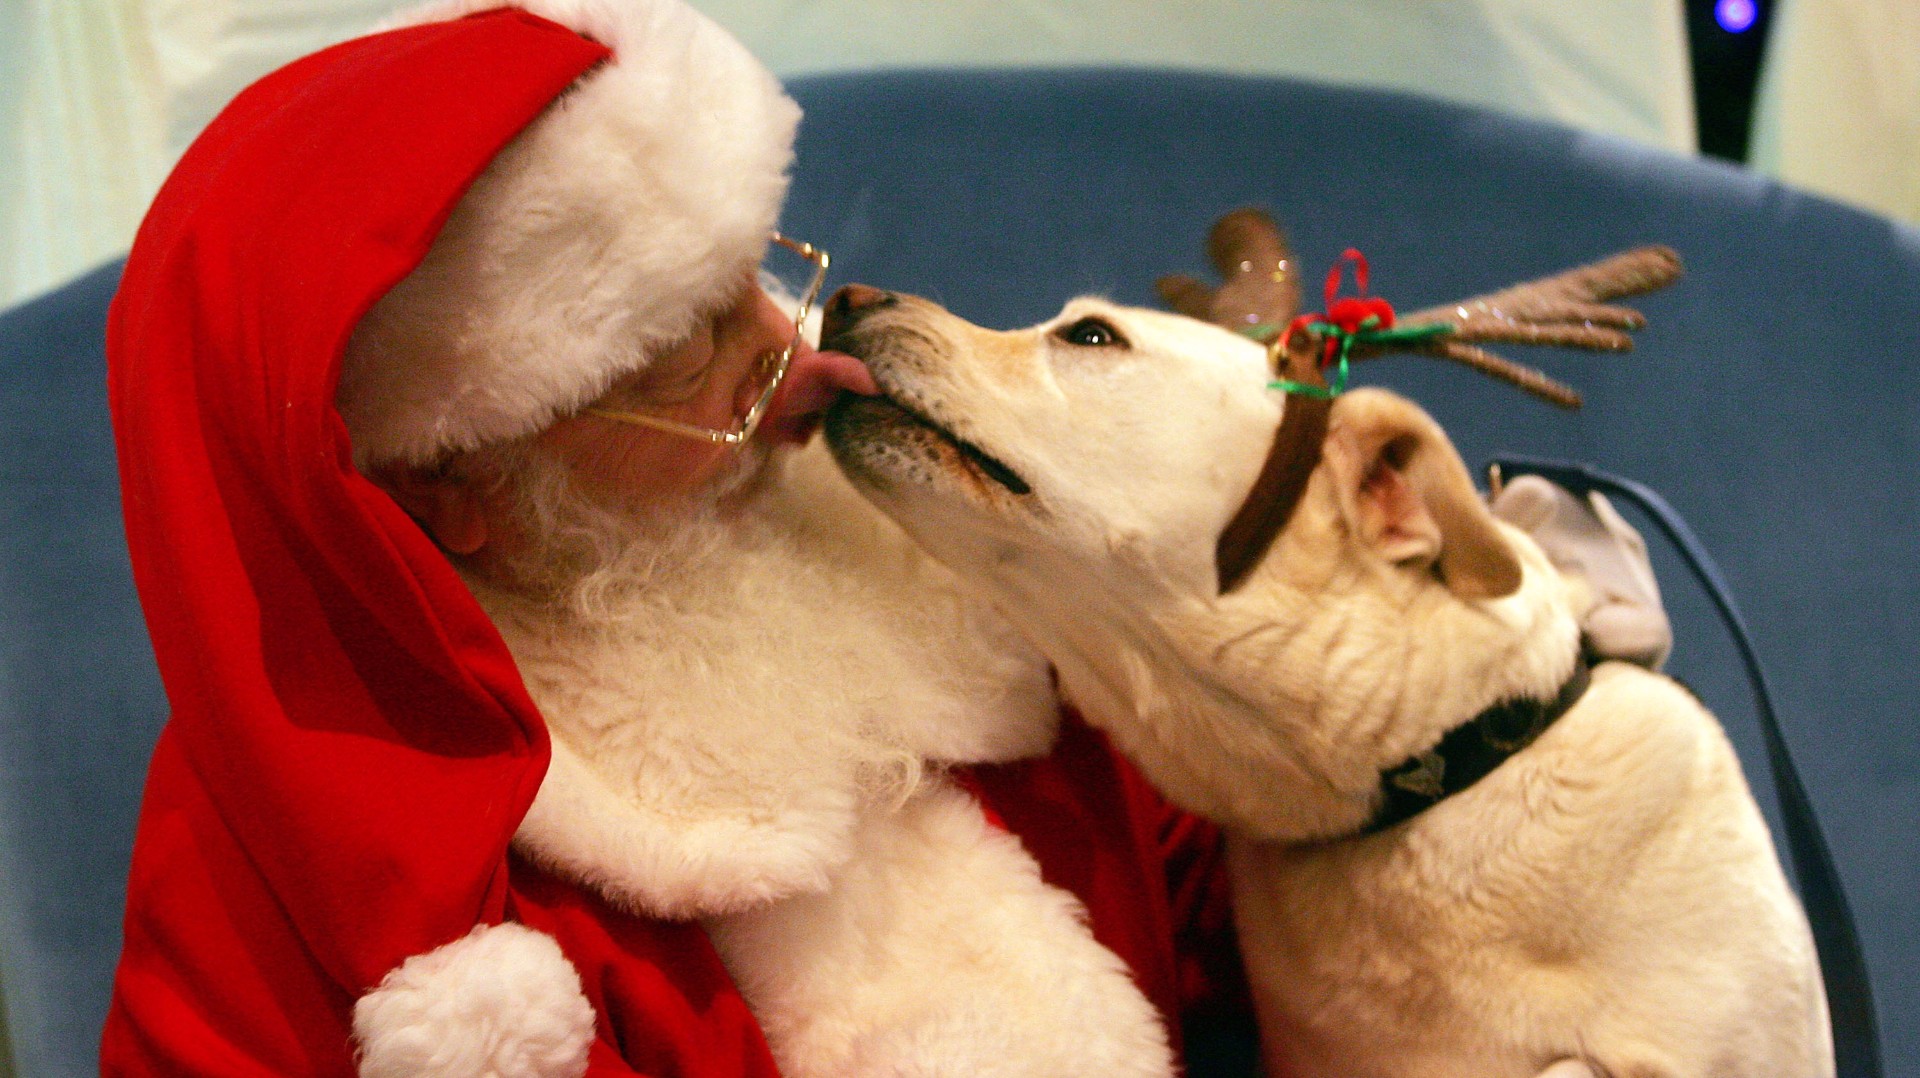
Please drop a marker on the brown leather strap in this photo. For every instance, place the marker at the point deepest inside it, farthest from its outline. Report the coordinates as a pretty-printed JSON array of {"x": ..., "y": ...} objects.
[{"x": 1283, "y": 478}]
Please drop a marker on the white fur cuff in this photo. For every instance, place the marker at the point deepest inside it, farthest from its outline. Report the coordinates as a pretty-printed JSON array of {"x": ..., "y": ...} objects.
[{"x": 502, "y": 1001}]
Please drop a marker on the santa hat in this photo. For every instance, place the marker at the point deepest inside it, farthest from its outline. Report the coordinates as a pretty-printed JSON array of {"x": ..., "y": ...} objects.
[
  {"x": 603, "y": 235},
  {"x": 528, "y": 208}
]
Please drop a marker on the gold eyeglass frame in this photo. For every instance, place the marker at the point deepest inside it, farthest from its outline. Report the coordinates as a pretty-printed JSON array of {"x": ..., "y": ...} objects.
[{"x": 744, "y": 427}]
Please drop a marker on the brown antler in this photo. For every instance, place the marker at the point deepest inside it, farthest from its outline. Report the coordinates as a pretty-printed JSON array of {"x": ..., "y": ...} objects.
[
  {"x": 1256, "y": 264},
  {"x": 1569, "y": 310},
  {"x": 1261, "y": 287}
]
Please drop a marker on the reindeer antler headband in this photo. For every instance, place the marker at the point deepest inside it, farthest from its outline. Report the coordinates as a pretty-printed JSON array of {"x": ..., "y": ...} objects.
[{"x": 1260, "y": 296}]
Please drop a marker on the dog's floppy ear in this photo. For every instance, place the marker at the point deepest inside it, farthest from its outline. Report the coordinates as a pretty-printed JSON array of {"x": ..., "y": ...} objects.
[{"x": 1408, "y": 495}]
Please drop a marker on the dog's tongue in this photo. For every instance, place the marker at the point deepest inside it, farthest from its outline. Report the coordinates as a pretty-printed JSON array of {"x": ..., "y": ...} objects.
[{"x": 813, "y": 381}]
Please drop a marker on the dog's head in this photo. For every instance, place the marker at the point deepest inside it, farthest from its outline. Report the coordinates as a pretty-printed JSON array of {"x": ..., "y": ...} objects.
[
  {"x": 1087, "y": 441},
  {"x": 1082, "y": 471}
]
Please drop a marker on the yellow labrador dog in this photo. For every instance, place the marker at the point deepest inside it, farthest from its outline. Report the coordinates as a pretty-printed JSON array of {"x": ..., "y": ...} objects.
[{"x": 1605, "y": 901}]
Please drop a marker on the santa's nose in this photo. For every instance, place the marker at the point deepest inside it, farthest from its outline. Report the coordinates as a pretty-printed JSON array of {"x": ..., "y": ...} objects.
[{"x": 814, "y": 379}]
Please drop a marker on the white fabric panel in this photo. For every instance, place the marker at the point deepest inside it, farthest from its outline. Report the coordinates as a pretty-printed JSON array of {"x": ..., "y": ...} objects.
[
  {"x": 115, "y": 89},
  {"x": 1618, "y": 66},
  {"x": 81, "y": 153},
  {"x": 1839, "y": 104},
  {"x": 209, "y": 50}
]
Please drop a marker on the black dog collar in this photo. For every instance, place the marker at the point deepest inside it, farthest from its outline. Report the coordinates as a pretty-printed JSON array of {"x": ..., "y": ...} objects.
[{"x": 1470, "y": 752}]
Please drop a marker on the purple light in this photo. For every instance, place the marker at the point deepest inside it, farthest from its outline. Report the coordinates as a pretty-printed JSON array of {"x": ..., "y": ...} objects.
[{"x": 1735, "y": 16}]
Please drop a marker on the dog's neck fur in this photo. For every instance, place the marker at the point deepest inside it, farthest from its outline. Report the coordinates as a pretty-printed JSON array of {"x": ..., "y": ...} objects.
[{"x": 1274, "y": 709}]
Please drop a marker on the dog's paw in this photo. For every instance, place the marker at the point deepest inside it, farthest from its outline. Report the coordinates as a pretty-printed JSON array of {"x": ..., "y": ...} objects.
[{"x": 1588, "y": 539}]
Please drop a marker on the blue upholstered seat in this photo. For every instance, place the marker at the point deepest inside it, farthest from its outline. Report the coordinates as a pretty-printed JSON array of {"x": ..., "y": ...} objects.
[
  {"x": 1772, "y": 399},
  {"x": 80, "y": 700}
]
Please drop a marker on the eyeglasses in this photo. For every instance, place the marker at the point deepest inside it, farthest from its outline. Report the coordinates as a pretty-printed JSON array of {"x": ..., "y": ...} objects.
[{"x": 769, "y": 368}]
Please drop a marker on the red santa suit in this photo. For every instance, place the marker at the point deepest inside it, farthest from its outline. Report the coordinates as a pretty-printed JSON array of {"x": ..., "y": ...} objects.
[{"x": 330, "y": 812}]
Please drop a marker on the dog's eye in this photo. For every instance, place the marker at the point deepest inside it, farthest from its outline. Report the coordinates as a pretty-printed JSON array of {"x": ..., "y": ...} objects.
[{"x": 1092, "y": 333}]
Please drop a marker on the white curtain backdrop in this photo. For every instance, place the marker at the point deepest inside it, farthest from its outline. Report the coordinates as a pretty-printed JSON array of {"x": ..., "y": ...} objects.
[
  {"x": 209, "y": 50},
  {"x": 110, "y": 91},
  {"x": 83, "y": 147},
  {"x": 1618, "y": 66},
  {"x": 1839, "y": 105}
]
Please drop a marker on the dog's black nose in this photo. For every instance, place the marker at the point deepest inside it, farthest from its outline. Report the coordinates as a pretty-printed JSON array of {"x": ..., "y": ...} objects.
[{"x": 848, "y": 306}]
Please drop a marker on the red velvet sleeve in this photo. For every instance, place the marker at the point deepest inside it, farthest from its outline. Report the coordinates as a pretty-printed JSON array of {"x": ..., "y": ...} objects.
[
  {"x": 1206, "y": 949},
  {"x": 1152, "y": 876},
  {"x": 666, "y": 1006}
]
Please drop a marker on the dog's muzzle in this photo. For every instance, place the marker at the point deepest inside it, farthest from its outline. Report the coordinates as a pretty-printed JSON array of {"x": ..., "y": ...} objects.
[{"x": 891, "y": 416}]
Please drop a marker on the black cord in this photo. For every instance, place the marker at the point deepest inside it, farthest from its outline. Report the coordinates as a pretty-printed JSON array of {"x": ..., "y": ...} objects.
[{"x": 1843, "y": 965}]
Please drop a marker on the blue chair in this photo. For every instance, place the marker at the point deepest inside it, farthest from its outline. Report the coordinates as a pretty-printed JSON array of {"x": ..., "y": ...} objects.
[
  {"x": 80, "y": 700},
  {"x": 1770, "y": 400}
]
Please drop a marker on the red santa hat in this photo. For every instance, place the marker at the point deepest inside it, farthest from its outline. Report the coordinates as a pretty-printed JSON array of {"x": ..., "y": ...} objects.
[
  {"x": 543, "y": 203},
  {"x": 603, "y": 235}
]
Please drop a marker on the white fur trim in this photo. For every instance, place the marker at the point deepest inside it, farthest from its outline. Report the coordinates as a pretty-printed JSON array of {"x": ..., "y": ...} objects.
[
  {"x": 502, "y": 1001},
  {"x": 664, "y": 866},
  {"x": 600, "y": 237},
  {"x": 939, "y": 950}
]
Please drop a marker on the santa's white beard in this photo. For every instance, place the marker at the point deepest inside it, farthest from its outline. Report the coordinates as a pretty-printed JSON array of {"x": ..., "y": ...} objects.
[
  {"x": 586, "y": 555},
  {"x": 770, "y": 656}
]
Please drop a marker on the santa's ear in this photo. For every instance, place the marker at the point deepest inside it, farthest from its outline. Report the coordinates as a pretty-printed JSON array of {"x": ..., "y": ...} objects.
[
  {"x": 1408, "y": 496},
  {"x": 449, "y": 505}
]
